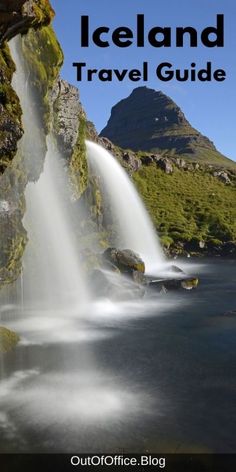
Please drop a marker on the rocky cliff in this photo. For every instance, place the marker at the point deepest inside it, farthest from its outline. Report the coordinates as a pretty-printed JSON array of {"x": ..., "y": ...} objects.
[
  {"x": 148, "y": 120},
  {"x": 43, "y": 58}
]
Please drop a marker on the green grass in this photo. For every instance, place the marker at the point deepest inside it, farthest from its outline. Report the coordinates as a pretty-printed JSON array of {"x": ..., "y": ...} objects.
[{"x": 188, "y": 206}]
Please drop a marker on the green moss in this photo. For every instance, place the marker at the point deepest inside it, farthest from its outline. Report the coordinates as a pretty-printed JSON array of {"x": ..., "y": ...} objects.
[
  {"x": 166, "y": 241},
  {"x": 10, "y": 117},
  {"x": 44, "y": 59},
  {"x": 78, "y": 163},
  {"x": 8, "y": 339},
  {"x": 43, "y": 13},
  {"x": 16, "y": 252},
  {"x": 7, "y": 66}
]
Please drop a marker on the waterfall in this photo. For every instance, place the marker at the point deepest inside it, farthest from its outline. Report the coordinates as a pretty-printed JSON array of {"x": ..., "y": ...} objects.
[
  {"x": 52, "y": 274},
  {"x": 135, "y": 228}
]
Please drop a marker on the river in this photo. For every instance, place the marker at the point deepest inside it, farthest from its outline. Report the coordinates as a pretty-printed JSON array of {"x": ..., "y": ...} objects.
[{"x": 156, "y": 375}]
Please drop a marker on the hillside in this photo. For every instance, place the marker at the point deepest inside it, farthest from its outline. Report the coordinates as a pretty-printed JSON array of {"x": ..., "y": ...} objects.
[
  {"x": 192, "y": 205},
  {"x": 148, "y": 120}
]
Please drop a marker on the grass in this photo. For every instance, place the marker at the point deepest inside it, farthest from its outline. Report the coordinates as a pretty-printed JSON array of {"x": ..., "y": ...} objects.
[{"x": 188, "y": 206}]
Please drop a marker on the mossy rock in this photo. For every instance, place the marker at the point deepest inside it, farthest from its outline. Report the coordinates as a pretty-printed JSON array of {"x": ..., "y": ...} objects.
[
  {"x": 43, "y": 13},
  {"x": 189, "y": 284},
  {"x": 78, "y": 164},
  {"x": 10, "y": 116},
  {"x": 44, "y": 58},
  {"x": 8, "y": 340}
]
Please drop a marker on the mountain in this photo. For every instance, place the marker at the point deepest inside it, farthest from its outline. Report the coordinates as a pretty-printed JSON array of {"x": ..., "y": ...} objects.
[{"x": 148, "y": 120}]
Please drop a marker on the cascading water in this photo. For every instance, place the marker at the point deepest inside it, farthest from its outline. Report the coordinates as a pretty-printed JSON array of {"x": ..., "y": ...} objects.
[
  {"x": 59, "y": 378},
  {"x": 135, "y": 229},
  {"x": 52, "y": 275}
]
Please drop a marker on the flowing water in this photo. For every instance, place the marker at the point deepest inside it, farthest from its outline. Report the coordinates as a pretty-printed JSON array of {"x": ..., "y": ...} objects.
[
  {"x": 154, "y": 374},
  {"x": 164, "y": 377},
  {"x": 52, "y": 276},
  {"x": 135, "y": 228}
]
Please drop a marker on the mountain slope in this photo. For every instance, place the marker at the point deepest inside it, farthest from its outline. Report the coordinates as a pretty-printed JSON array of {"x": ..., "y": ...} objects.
[{"x": 148, "y": 120}]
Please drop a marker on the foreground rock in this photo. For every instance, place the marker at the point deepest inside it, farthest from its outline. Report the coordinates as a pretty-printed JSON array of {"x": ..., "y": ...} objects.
[
  {"x": 8, "y": 340},
  {"x": 166, "y": 285},
  {"x": 126, "y": 260}
]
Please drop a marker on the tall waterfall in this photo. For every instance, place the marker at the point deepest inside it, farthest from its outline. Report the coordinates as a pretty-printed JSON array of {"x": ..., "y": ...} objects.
[
  {"x": 52, "y": 274},
  {"x": 135, "y": 228}
]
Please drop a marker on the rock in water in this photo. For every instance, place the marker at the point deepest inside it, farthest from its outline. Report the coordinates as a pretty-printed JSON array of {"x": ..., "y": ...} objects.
[
  {"x": 8, "y": 339},
  {"x": 148, "y": 120},
  {"x": 126, "y": 260},
  {"x": 167, "y": 285}
]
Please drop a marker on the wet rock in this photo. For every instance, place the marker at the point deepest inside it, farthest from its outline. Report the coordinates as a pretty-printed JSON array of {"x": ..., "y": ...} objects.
[
  {"x": 189, "y": 284},
  {"x": 167, "y": 285},
  {"x": 8, "y": 340},
  {"x": 126, "y": 260}
]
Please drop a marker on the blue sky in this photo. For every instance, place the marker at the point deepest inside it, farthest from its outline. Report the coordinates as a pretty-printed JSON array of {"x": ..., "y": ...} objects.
[{"x": 210, "y": 107}]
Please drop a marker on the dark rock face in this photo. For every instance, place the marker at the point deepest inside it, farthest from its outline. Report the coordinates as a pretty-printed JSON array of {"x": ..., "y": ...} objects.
[
  {"x": 148, "y": 120},
  {"x": 17, "y": 16}
]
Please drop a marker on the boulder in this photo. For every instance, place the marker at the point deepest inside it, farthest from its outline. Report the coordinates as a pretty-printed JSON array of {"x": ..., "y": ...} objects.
[
  {"x": 132, "y": 160},
  {"x": 165, "y": 164},
  {"x": 189, "y": 284},
  {"x": 180, "y": 163},
  {"x": 147, "y": 160},
  {"x": 126, "y": 260},
  {"x": 222, "y": 176}
]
